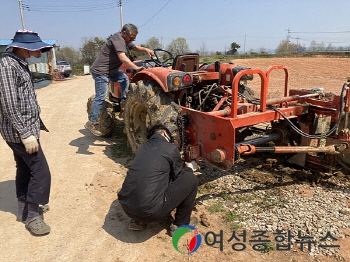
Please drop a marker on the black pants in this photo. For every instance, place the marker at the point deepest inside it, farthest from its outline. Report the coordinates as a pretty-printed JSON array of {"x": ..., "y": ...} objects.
[
  {"x": 33, "y": 178},
  {"x": 180, "y": 194}
]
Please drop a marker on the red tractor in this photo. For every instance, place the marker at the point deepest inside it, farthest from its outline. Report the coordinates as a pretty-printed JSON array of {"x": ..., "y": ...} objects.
[{"x": 213, "y": 114}]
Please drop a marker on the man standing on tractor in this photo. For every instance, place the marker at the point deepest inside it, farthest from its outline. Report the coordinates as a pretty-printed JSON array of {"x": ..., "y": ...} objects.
[{"x": 114, "y": 53}]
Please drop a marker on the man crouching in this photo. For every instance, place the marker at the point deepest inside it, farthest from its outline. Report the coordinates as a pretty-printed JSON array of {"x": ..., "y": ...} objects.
[{"x": 157, "y": 183}]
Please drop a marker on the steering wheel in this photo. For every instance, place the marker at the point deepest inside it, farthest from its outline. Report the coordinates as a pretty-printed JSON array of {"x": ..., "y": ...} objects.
[{"x": 168, "y": 60}]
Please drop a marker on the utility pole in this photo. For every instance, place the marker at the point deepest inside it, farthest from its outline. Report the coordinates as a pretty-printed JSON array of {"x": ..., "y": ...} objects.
[
  {"x": 121, "y": 14},
  {"x": 21, "y": 12},
  {"x": 288, "y": 36},
  {"x": 245, "y": 36}
]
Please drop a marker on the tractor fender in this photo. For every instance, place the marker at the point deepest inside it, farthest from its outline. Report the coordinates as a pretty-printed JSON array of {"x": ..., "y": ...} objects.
[{"x": 158, "y": 74}]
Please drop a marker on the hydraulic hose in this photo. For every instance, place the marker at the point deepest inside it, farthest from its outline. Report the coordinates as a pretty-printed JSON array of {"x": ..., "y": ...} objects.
[{"x": 296, "y": 129}]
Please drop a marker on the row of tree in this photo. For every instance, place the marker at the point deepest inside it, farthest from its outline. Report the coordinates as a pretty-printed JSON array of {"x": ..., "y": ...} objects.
[
  {"x": 91, "y": 47},
  {"x": 287, "y": 47}
]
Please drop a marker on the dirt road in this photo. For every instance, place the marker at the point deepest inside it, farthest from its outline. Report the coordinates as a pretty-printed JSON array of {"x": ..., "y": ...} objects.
[
  {"x": 85, "y": 179},
  {"x": 86, "y": 220}
]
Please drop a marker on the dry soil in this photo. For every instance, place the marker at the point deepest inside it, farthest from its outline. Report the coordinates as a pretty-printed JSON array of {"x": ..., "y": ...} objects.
[{"x": 86, "y": 220}]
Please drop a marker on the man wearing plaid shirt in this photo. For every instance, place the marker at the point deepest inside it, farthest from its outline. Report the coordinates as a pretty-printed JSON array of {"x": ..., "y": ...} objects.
[{"x": 20, "y": 126}]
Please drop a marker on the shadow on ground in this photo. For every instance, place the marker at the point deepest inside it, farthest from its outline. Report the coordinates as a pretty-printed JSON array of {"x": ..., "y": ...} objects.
[
  {"x": 116, "y": 146},
  {"x": 116, "y": 224},
  {"x": 8, "y": 200},
  {"x": 83, "y": 143}
]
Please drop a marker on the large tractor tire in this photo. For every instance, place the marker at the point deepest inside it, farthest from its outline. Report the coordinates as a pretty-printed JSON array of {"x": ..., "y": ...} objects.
[
  {"x": 105, "y": 119},
  {"x": 146, "y": 105}
]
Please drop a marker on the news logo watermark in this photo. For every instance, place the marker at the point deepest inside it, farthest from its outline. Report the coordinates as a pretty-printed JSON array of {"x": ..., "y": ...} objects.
[
  {"x": 258, "y": 240},
  {"x": 194, "y": 243}
]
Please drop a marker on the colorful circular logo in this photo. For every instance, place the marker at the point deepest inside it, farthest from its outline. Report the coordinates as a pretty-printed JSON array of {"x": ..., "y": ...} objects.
[{"x": 194, "y": 243}]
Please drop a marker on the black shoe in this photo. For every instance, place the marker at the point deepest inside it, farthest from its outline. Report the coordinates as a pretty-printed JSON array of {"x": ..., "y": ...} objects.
[
  {"x": 113, "y": 98},
  {"x": 136, "y": 225},
  {"x": 173, "y": 227}
]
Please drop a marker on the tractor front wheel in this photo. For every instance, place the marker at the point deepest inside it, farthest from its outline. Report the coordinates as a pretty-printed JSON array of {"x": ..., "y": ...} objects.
[{"x": 105, "y": 119}]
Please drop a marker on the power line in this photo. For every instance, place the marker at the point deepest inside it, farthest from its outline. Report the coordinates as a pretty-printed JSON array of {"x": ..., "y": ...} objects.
[
  {"x": 71, "y": 8},
  {"x": 339, "y": 32},
  {"x": 326, "y": 42},
  {"x": 155, "y": 14},
  {"x": 311, "y": 38}
]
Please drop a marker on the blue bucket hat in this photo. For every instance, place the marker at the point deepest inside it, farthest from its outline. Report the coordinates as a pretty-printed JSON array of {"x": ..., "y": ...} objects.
[{"x": 30, "y": 40}]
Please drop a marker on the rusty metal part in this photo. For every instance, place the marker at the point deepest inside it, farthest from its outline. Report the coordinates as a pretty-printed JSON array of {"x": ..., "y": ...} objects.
[
  {"x": 260, "y": 140},
  {"x": 274, "y": 101},
  {"x": 214, "y": 115},
  {"x": 246, "y": 149}
]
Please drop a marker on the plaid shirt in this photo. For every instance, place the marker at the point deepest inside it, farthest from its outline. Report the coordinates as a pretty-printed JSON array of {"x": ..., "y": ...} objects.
[{"x": 19, "y": 109}]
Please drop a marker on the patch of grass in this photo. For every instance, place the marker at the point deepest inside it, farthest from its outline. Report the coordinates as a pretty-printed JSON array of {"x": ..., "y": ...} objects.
[
  {"x": 269, "y": 247},
  {"x": 231, "y": 216},
  {"x": 209, "y": 186},
  {"x": 272, "y": 198},
  {"x": 244, "y": 198},
  {"x": 225, "y": 195},
  {"x": 121, "y": 148},
  {"x": 216, "y": 207},
  {"x": 235, "y": 227}
]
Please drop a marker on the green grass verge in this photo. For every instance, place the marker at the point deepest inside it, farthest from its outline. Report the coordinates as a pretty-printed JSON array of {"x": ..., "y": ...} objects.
[{"x": 120, "y": 148}]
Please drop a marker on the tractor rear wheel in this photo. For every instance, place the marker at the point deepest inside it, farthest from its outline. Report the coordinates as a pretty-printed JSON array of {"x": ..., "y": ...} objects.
[
  {"x": 105, "y": 119},
  {"x": 146, "y": 105}
]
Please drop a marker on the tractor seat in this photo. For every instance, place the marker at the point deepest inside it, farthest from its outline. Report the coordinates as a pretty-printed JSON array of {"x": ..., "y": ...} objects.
[{"x": 186, "y": 62}]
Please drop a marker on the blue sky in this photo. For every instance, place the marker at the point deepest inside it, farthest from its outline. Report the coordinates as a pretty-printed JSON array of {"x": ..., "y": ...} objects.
[{"x": 253, "y": 24}]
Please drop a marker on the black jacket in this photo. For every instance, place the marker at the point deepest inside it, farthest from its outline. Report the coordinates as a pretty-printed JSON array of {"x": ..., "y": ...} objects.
[{"x": 156, "y": 164}]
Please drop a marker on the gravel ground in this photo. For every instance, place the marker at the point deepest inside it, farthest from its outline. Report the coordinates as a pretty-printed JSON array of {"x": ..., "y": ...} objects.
[{"x": 262, "y": 201}]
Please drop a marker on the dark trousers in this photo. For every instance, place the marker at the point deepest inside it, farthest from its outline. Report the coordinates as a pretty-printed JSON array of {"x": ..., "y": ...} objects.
[
  {"x": 33, "y": 178},
  {"x": 180, "y": 194}
]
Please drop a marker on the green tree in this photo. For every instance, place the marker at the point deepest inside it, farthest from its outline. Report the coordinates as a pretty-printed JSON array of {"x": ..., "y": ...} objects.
[
  {"x": 91, "y": 48},
  {"x": 153, "y": 43},
  {"x": 285, "y": 47},
  {"x": 314, "y": 46},
  {"x": 329, "y": 47},
  {"x": 178, "y": 46},
  {"x": 68, "y": 54},
  {"x": 202, "y": 49},
  {"x": 234, "y": 48}
]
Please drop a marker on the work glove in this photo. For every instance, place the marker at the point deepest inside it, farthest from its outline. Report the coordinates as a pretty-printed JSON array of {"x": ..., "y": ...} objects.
[
  {"x": 193, "y": 165},
  {"x": 31, "y": 144}
]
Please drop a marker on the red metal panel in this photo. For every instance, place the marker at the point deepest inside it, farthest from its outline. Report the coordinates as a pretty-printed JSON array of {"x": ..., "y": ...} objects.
[
  {"x": 267, "y": 116},
  {"x": 211, "y": 133}
]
